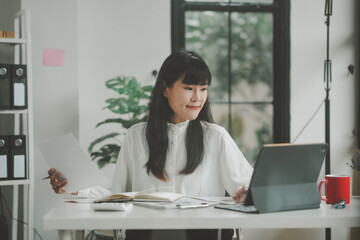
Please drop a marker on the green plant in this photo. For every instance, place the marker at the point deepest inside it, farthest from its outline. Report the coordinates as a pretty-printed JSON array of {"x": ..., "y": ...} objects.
[
  {"x": 131, "y": 105},
  {"x": 355, "y": 162}
]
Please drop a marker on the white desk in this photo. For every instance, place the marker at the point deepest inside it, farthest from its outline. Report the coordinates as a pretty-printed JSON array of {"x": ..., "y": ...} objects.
[{"x": 76, "y": 216}]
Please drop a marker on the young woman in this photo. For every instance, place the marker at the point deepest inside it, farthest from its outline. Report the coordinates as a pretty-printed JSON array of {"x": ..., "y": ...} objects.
[{"x": 179, "y": 148}]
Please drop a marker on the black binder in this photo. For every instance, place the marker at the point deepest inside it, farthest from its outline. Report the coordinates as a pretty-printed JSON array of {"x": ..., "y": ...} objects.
[
  {"x": 5, "y": 86},
  {"x": 18, "y": 156},
  {"x": 7, "y": 124},
  {"x": 4, "y": 157},
  {"x": 19, "y": 86}
]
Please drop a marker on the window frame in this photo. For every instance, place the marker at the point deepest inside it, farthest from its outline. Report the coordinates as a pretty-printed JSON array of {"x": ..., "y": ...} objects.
[{"x": 281, "y": 50}]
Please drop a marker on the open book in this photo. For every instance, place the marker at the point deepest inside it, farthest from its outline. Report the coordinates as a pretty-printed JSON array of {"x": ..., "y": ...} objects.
[{"x": 142, "y": 196}]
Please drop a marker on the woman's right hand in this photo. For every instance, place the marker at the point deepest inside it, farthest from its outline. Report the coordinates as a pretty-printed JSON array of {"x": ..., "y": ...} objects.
[{"x": 57, "y": 181}]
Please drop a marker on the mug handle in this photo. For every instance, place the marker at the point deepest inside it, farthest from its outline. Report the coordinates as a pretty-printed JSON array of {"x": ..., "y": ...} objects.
[{"x": 320, "y": 185}]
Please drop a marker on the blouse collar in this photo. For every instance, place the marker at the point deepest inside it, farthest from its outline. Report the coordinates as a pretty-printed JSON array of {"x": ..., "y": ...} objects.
[{"x": 179, "y": 127}]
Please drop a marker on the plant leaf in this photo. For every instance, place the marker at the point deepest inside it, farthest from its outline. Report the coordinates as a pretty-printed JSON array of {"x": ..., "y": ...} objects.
[
  {"x": 128, "y": 104},
  {"x": 100, "y": 139},
  {"x": 108, "y": 153}
]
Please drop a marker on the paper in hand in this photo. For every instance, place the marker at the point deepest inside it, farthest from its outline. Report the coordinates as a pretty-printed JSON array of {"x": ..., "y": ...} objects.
[{"x": 66, "y": 156}]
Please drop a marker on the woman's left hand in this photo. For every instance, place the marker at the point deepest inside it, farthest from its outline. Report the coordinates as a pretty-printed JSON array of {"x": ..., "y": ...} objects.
[{"x": 240, "y": 195}]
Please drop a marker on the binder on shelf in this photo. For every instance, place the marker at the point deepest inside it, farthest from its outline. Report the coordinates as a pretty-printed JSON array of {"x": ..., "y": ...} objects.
[
  {"x": 18, "y": 156},
  {"x": 4, "y": 157},
  {"x": 5, "y": 86},
  {"x": 7, "y": 124},
  {"x": 19, "y": 86}
]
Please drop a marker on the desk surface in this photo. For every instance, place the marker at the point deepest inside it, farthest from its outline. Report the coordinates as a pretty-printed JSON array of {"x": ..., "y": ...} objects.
[{"x": 72, "y": 216}]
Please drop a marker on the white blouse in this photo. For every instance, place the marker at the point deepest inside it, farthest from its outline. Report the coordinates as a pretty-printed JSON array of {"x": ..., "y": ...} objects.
[{"x": 223, "y": 167}]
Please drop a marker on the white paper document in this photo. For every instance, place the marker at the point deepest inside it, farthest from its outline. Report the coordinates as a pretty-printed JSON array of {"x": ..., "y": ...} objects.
[
  {"x": 183, "y": 203},
  {"x": 66, "y": 156}
]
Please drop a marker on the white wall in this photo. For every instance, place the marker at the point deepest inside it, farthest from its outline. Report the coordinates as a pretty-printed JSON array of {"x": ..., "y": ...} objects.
[
  {"x": 55, "y": 89},
  {"x": 116, "y": 38},
  {"x": 308, "y": 52},
  {"x": 103, "y": 39}
]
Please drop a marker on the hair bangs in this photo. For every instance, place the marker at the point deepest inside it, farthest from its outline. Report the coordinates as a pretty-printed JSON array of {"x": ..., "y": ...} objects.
[{"x": 197, "y": 73}]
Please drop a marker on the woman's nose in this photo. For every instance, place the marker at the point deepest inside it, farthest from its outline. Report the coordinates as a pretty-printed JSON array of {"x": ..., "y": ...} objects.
[{"x": 196, "y": 95}]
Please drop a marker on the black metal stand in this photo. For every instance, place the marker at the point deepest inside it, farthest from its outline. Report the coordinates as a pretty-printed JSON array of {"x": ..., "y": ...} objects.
[{"x": 327, "y": 86}]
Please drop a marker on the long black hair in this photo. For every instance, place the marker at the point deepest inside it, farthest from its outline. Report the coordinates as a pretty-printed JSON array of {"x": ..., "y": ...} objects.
[{"x": 194, "y": 70}]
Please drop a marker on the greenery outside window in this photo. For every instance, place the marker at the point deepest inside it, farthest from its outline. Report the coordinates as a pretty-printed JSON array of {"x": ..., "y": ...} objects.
[{"x": 246, "y": 44}]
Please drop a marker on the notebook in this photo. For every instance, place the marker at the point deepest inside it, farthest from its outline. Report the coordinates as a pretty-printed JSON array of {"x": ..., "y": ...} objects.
[{"x": 284, "y": 178}]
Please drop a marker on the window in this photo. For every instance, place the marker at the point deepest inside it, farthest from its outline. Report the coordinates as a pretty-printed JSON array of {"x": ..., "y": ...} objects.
[{"x": 246, "y": 45}]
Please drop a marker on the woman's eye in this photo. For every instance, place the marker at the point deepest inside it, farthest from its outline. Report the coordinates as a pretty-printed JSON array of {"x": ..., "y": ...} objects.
[
  {"x": 188, "y": 88},
  {"x": 204, "y": 89}
]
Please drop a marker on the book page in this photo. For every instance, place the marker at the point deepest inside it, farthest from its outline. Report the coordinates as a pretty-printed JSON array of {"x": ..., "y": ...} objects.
[
  {"x": 144, "y": 196},
  {"x": 127, "y": 196},
  {"x": 158, "y": 196}
]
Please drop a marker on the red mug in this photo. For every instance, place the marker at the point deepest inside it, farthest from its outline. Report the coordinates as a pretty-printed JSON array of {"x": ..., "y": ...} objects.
[{"x": 337, "y": 188}]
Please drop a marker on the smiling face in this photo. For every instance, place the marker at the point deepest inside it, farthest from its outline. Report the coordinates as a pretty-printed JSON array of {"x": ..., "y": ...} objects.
[{"x": 186, "y": 100}]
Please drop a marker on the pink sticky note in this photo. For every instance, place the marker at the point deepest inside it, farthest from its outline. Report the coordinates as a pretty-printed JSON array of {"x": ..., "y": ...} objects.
[{"x": 53, "y": 57}]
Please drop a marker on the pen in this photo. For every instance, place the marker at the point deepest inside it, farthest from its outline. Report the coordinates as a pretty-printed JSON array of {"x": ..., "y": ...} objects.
[
  {"x": 47, "y": 177},
  {"x": 192, "y": 205},
  {"x": 339, "y": 205}
]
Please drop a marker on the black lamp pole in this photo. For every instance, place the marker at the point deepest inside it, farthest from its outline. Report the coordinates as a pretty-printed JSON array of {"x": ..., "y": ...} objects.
[
  {"x": 327, "y": 86},
  {"x": 327, "y": 83}
]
